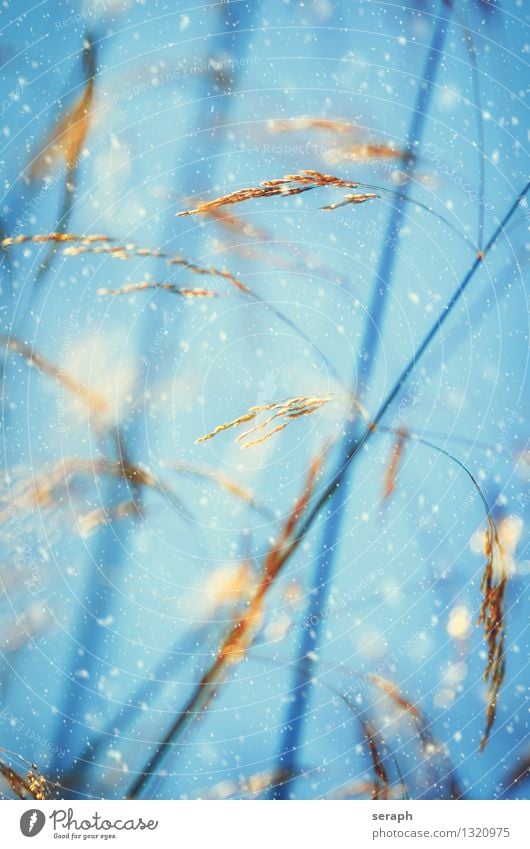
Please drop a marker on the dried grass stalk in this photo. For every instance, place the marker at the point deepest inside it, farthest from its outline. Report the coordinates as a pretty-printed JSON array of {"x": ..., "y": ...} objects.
[
  {"x": 493, "y": 588},
  {"x": 491, "y": 616}
]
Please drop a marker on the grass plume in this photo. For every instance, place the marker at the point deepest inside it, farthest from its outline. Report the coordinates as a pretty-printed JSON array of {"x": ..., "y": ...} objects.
[
  {"x": 291, "y": 184},
  {"x": 241, "y": 635},
  {"x": 131, "y": 288},
  {"x": 23, "y": 778},
  {"x": 491, "y": 616},
  {"x": 282, "y": 411}
]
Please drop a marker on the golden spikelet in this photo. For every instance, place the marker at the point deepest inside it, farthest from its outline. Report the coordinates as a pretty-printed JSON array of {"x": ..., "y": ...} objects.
[
  {"x": 240, "y": 196},
  {"x": 491, "y": 616},
  {"x": 311, "y": 178},
  {"x": 291, "y": 184}
]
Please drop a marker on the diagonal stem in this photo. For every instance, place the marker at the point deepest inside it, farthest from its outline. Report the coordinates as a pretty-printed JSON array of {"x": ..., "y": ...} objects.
[
  {"x": 300, "y": 690},
  {"x": 352, "y": 445}
]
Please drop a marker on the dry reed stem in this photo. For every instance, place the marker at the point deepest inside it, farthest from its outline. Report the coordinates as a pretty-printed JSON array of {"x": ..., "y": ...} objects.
[
  {"x": 95, "y": 403},
  {"x": 240, "y": 637}
]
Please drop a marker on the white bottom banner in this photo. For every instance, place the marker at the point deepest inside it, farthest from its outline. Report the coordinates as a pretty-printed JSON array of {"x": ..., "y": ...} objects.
[{"x": 255, "y": 824}]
